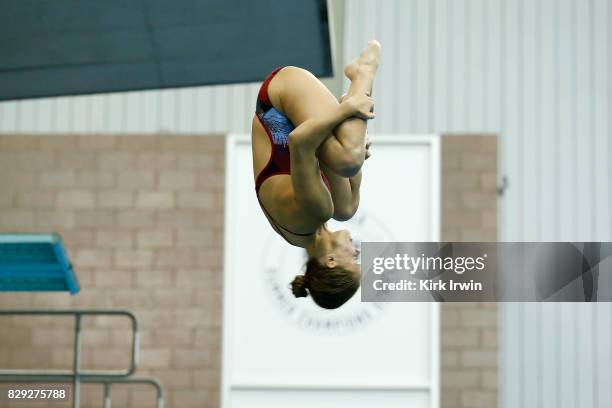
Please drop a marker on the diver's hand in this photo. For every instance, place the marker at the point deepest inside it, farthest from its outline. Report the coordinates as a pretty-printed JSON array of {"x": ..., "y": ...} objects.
[
  {"x": 368, "y": 143},
  {"x": 361, "y": 106}
]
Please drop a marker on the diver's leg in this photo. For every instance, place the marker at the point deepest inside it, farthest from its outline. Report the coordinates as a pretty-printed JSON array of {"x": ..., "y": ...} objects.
[
  {"x": 344, "y": 193},
  {"x": 301, "y": 96},
  {"x": 344, "y": 190},
  {"x": 352, "y": 133}
]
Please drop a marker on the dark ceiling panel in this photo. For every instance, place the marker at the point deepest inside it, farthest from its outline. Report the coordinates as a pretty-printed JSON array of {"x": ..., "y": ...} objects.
[{"x": 68, "y": 47}]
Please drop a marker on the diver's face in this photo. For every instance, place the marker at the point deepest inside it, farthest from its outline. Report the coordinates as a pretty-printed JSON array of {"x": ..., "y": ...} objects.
[
  {"x": 341, "y": 251},
  {"x": 342, "y": 246}
]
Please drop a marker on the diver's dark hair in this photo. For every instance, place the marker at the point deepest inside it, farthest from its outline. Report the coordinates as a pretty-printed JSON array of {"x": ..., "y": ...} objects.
[{"x": 330, "y": 288}]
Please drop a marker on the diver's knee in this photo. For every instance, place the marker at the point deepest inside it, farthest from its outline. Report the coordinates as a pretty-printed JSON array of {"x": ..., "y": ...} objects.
[
  {"x": 351, "y": 163},
  {"x": 344, "y": 213}
]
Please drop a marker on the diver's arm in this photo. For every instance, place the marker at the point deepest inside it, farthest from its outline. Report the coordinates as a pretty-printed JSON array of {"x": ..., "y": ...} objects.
[
  {"x": 309, "y": 191},
  {"x": 311, "y": 133}
]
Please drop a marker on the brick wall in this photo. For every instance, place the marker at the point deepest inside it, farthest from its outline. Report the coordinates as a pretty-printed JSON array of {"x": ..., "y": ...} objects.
[
  {"x": 142, "y": 218},
  {"x": 469, "y": 330}
]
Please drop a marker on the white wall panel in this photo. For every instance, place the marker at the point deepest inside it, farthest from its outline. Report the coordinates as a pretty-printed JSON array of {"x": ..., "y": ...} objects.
[
  {"x": 602, "y": 127},
  {"x": 537, "y": 73},
  {"x": 534, "y": 72},
  {"x": 220, "y": 109},
  {"x": 549, "y": 127}
]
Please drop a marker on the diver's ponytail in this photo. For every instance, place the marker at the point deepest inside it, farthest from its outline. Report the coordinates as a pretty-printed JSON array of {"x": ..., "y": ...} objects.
[{"x": 299, "y": 285}]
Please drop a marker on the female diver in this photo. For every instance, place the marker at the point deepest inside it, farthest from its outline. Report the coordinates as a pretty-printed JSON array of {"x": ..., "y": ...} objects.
[{"x": 308, "y": 150}]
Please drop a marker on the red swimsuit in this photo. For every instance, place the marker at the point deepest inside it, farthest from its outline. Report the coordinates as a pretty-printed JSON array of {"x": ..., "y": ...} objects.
[{"x": 277, "y": 127}]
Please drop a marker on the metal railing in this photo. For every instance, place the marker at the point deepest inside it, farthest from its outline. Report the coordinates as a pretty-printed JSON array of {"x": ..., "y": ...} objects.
[
  {"x": 148, "y": 381},
  {"x": 76, "y": 376}
]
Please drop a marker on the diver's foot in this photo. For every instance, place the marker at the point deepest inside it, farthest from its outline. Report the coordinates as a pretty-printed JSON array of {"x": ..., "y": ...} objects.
[{"x": 366, "y": 63}]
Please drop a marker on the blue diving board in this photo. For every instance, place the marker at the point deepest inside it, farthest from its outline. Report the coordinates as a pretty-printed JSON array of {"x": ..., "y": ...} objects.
[{"x": 35, "y": 263}]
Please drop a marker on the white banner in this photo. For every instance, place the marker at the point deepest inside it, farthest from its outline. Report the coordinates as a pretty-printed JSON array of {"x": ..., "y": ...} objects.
[{"x": 281, "y": 351}]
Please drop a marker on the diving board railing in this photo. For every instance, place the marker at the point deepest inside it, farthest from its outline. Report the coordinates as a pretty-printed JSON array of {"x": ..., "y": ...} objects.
[
  {"x": 147, "y": 381},
  {"x": 39, "y": 263},
  {"x": 76, "y": 376}
]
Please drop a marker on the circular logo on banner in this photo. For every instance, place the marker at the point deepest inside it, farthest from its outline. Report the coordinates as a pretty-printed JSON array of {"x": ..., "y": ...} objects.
[{"x": 282, "y": 262}]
